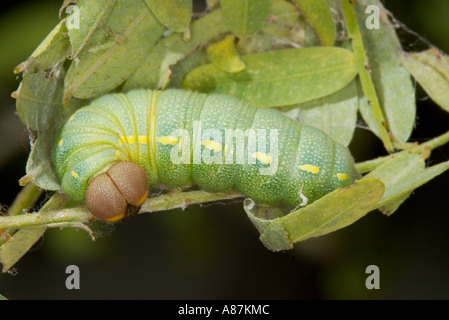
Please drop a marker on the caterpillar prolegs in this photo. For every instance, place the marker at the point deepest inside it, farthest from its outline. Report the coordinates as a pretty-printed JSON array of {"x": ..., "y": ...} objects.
[{"x": 110, "y": 152}]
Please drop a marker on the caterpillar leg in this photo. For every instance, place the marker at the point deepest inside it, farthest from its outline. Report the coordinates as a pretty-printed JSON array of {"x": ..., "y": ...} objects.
[{"x": 117, "y": 193}]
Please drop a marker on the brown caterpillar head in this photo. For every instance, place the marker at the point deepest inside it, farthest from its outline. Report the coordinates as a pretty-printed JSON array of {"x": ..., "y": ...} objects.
[{"x": 117, "y": 193}]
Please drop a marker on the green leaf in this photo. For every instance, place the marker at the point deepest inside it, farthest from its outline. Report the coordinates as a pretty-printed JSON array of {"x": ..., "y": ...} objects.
[
  {"x": 154, "y": 71},
  {"x": 335, "y": 114},
  {"x": 431, "y": 69},
  {"x": 368, "y": 87},
  {"x": 245, "y": 17},
  {"x": 129, "y": 33},
  {"x": 91, "y": 30},
  {"x": 282, "y": 18},
  {"x": 18, "y": 245},
  {"x": 334, "y": 211},
  {"x": 39, "y": 98},
  {"x": 319, "y": 17},
  {"x": 392, "y": 81},
  {"x": 3, "y": 297},
  {"x": 279, "y": 78},
  {"x": 401, "y": 175},
  {"x": 52, "y": 51},
  {"x": 174, "y": 14},
  {"x": 224, "y": 55}
]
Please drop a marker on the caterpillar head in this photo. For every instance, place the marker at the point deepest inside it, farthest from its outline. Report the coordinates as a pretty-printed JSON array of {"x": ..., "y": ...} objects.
[{"x": 117, "y": 193}]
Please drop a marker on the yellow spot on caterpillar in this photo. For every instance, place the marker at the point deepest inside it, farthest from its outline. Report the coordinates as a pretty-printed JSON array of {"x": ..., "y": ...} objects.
[
  {"x": 117, "y": 153},
  {"x": 342, "y": 176},
  {"x": 116, "y": 218},
  {"x": 129, "y": 139},
  {"x": 74, "y": 174},
  {"x": 142, "y": 139},
  {"x": 262, "y": 157},
  {"x": 309, "y": 168},
  {"x": 71, "y": 117},
  {"x": 211, "y": 145},
  {"x": 167, "y": 140},
  {"x": 60, "y": 142}
]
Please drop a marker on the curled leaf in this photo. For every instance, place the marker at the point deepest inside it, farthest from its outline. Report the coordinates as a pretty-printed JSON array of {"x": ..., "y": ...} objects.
[{"x": 334, "y": 211}]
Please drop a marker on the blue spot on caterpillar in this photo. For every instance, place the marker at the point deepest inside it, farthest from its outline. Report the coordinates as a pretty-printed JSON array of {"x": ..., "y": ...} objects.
[{"x": 110, "y": 152}]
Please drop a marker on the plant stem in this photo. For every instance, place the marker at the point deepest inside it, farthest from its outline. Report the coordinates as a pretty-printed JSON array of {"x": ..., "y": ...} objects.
[
  {"x": 368, "y": 88},
  {"x": 78, "y": 215},
  {"x": 370, "y": 165},
  {"x": 26, "y": 198}
]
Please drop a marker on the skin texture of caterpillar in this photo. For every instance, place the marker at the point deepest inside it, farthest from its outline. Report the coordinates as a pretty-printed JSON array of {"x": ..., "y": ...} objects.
[{"x": 109, "y": 152}]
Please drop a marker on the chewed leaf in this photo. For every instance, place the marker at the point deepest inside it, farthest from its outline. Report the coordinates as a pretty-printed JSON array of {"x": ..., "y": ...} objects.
[
  {"x": 280, "y": 78},
  {"x": 245, "y": 17},
  {"x": 174, "y": 14},
  {"x": 224, "y": 56},
  {"x": 431, "y": 70},
  {"x": 334, "y": 211},
  {"x": 392, "y": 81},
  {"x": 132, "y": 31},
  {"x": 319, "y": 16}
]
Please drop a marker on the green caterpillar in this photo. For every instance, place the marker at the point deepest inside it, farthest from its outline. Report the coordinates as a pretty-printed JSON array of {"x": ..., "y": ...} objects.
[{"x": 109, "y": 153}]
